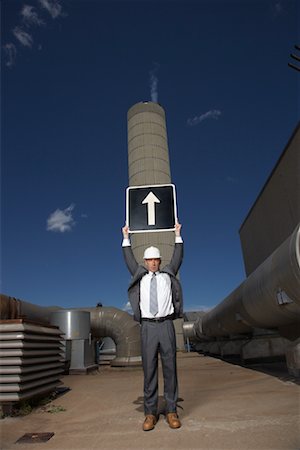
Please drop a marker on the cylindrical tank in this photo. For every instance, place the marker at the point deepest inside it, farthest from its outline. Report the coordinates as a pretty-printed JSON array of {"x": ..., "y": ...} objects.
[
  {"x": 148, "y": 164},
  {"x": 74, "y": 324}
]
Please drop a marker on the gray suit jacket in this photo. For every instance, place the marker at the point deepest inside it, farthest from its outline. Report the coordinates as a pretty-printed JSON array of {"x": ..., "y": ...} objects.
[{"x": 138, "y": 272}]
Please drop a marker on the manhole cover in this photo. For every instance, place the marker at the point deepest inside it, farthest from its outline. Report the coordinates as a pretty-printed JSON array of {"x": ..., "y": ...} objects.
[{"x": 34, "y": 437}]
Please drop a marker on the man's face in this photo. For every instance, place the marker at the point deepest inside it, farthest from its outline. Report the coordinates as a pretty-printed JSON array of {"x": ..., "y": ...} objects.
[{"x": 152, "y": 264}]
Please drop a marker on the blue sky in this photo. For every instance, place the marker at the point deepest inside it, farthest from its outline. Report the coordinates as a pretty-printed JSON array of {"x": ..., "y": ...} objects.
[{"x": 71, "y": 70}]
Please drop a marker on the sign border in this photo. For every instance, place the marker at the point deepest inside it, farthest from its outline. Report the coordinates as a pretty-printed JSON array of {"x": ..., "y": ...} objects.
[{"x": 151, "y": 186}]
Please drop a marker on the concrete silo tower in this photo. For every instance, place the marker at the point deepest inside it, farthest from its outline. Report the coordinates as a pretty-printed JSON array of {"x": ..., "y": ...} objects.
[{"x": 148, "y": 164}]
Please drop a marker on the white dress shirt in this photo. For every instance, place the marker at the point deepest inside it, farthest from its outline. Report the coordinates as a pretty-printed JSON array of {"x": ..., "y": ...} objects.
[{"x": 164, "y": 295}]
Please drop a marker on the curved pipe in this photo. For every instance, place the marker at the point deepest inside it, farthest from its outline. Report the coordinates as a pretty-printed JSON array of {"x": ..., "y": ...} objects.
[
  {"x": 105, "y": 321},
  {"x": 120, "y": 326},
  {"x": 268, "y": 298}
]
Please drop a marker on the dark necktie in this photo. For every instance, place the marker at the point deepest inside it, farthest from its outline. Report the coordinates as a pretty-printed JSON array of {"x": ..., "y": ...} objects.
[{"x": 153, "y": 295}]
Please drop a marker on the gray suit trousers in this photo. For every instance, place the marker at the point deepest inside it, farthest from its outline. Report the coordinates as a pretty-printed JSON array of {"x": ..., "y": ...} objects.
[{"x": 159, "y": 338}]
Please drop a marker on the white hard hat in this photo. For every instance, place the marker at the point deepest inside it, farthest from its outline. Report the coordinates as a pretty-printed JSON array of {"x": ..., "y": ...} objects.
[{"x": 151, "y": 252}]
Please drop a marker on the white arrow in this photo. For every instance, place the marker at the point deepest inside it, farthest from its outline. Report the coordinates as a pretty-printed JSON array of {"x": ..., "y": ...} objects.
[{"x": 150, "y": 200}]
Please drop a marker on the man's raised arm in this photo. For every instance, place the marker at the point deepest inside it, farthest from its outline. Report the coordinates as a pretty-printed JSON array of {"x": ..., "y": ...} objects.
[
  {"x": 127, "y": 252},
  {"x": 177, "y": 257}
]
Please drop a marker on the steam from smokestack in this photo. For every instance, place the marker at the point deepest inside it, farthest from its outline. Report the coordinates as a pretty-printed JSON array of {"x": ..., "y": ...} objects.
[{"x": 154, "y": 83}]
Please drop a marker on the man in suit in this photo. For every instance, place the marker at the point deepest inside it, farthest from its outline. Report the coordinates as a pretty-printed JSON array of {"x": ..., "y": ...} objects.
[{"x": 155, "y": 296}]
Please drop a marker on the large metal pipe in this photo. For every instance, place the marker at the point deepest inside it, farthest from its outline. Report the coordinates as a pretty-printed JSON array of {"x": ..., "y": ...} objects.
[
  {"x": 105, "y": 321},
  {"x": 120, "y": 326},
  {"x": 269, "y": 298},
  {"x": 189, "y": 330}
]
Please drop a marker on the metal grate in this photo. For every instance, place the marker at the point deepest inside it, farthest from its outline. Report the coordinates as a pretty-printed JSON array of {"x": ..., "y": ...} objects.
[{"x": 34, "y": 438}]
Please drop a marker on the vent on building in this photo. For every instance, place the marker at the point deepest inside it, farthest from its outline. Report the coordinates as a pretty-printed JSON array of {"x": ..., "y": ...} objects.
[{"x": 31, "y": 359}]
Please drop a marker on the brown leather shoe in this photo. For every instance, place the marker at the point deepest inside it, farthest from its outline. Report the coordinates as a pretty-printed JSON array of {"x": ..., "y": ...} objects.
[
  {"x": 173, "y": 420},
  {"x": 149, "y": 422}
]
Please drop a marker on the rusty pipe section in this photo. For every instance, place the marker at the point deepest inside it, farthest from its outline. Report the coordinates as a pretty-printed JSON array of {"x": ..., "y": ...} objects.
[
  {"x": 13, "y": 308},
  {"x": 120, "y": 326},
  {"x": 269, "y": 298}
]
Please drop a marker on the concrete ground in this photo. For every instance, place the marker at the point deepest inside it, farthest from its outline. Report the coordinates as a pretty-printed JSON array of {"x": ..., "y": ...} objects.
[{"x": 222, "y": 406}]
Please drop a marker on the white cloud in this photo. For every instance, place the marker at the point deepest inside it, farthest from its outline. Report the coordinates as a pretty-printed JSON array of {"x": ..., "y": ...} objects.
[
  {"x": 53, "y": 7},
  {"x": 11, "y": 52},
  {"x": 212, "y": 114},
  {"x": 154, "y": 83},
  {"x": 30, "y": 16},
  {"x": 23, "y": 37},
  {"x": 61, "y": 220},
  {"x": 127, "y": 308}
]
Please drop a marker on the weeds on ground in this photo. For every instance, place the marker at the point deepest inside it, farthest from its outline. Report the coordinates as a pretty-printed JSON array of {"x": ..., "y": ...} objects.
[
  {"x": 53, "y": 409},
  {"x": 40, "y": 404}
]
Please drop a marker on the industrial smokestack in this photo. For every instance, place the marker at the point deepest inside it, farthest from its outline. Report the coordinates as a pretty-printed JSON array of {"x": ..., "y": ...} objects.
[{"x": 148, "y": 164}]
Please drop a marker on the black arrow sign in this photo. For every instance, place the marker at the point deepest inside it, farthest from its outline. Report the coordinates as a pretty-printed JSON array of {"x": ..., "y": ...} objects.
[{"x": 151, "y": 208}]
